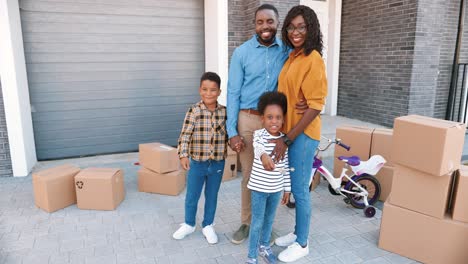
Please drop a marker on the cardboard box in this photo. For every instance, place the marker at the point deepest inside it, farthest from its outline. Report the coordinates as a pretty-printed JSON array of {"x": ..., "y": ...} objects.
[
  {"x": 171, "y": 183},
  {"x": 421, "y": 192},
  {"x": 158, "y": 157},
  {"x": 460, "y": 196},
  {"x": 382, "y": 144},
  {"x": 428, "y": 144},
  {"x": 230, "y": 168},
  {"x": 358, "y": 138},
  {"x": 421, "y": 237},
  {"x": 54, "y": 188},
  {"x": 385, "y": 177},
  {"x": 99, "y": 188}
]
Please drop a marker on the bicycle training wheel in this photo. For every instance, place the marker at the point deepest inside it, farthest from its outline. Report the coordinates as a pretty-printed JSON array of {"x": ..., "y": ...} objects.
[{"x": 370, "y": 184}]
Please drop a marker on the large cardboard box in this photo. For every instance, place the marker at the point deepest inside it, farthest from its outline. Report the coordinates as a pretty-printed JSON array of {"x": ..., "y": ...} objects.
[
  {"x": 99, "y": 188},
  {"x": 421, "y": 237},
  {"x": 230, "y": 168},
  {"x": 358, "y": 138},
  {"x": 54, "y": 188},
  {"x": 460, "y": 196},
  {"x": 385, "y": 177},
  {"x": 421, "y": 192},
  {"x": 382, "y": 144},
  {"x": 428, "y": 144},
  {"x": 171, "y": 183},
  {"x": 158, "y": 157}
]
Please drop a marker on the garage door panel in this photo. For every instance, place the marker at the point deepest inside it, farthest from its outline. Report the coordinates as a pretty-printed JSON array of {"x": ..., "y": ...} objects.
[
  {"x": 109, "y": 9},
  {"x": 105, "y": 76},
  {"x": 111, "y": 57}
]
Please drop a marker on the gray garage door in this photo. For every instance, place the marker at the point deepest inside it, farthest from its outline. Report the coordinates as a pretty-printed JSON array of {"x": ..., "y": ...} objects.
[{"x": 106, "y": 75}]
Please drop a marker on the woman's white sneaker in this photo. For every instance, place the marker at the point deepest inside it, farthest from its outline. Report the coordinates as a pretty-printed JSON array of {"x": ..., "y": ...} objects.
[
  {"x": 293, "y": 253},
  {"x": 183, "y": 231},
  {"x": 210, "y": 234},
  {"x": 286, "y": 240}
]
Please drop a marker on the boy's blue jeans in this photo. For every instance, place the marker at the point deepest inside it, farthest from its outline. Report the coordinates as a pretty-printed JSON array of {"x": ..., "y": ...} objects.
[
  {"x": 301, "y": 158},
  {"x": 263, "y": 214},
  {"x": 209, "y": 173}
]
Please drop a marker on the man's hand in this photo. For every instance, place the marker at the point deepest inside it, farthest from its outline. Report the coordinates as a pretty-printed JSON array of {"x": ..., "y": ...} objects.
[
  {"x": 285, "y": 199},
  {"x": 237, "y": 143},
  {"x": 279, "y": 150},
  {"x": 185, "y": 163},
  {"x": 267, "y": 162},
  {"x": 301, "y": 106}
]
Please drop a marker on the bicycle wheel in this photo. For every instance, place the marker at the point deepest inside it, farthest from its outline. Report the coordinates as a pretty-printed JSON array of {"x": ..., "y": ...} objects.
[{"x": 367, "y": 182}]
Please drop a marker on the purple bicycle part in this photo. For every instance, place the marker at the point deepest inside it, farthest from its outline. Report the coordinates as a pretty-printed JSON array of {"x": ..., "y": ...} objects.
[
  {"x": 317, "y": 163},
  {"x": 353, "y": 160}
]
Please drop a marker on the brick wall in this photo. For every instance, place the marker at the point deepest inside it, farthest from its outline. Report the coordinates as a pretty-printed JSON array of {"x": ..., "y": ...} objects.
[
  {"x": 396, "y": 58},
  {"x": 5, "y": 159}
]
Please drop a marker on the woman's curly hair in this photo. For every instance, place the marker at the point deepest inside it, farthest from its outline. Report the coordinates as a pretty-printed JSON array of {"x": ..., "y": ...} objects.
[{"x": 313, "y": 39}]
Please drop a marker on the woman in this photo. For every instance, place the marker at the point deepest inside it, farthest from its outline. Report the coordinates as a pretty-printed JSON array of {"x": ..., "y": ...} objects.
[{"x": 303, "y": 77}]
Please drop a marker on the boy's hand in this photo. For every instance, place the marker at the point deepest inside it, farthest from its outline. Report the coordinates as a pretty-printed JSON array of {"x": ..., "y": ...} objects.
[
  {"x": 237, "y": 143},
  {"x": 267, "y": 162},
  {"x": 185, "y": 163},
  {"x": 285, "y": 199}
]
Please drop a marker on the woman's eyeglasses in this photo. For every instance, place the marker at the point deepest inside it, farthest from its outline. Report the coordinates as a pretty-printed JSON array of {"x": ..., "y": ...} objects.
[{"x": 301, "y": 29}]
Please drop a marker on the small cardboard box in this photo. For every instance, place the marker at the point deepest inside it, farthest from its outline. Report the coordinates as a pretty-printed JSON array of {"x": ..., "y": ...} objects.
[
  {"x": 421, "y": 192},
  {"x": 428, "y": 144},
  {"x": 54, "y": 188},
  {"x": 385, "y": 177},
  {"x": 99, "y": 188},
  {"x": 460, "y": 196},
  {"x": 171, "y": 183},
  {"x": 421, "y": 237},
  {"x": 382, "y": 144},
  {"x": 358, "y": 138},
  {"x": 158, "y": 157},
  {"x": 230, "y": 168}
]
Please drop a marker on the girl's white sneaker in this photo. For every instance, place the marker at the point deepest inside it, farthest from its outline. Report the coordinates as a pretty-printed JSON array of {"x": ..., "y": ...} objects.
[
  {"x": 293, "y": 253},
  {"x": 183, "y": 231},
  {"x": 286, "y": 240}
]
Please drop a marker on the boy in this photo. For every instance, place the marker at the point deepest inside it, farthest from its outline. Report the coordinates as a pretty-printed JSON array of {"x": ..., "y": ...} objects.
[
  {"x": 202, "y": 150},
  {"x": 267, "y": 180}
]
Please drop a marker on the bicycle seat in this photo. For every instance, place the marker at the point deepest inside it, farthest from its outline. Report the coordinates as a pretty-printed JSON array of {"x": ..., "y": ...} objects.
[{"x": 352, "y": 161}]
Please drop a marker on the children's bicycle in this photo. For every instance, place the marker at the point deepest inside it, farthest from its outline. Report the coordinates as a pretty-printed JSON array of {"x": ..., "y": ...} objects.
[{"x": 361, "y": 189}]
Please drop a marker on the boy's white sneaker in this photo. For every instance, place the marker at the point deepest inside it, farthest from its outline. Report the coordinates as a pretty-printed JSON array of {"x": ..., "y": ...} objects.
[
  {"x": 183, "y": 231},
  {"x": 286, "y": 240},
  {"x": 293, "y": 253},
  {"x": 210, "y": 234}
]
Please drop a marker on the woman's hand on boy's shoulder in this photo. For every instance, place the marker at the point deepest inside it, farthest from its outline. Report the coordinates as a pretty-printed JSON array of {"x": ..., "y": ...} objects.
[{"x": 185, "y": 163}]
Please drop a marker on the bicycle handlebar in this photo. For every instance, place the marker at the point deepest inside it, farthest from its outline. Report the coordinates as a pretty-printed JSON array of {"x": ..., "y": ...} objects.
[
  {"x": 330, "y": 142},
  {"x": 343, "y": 145}
]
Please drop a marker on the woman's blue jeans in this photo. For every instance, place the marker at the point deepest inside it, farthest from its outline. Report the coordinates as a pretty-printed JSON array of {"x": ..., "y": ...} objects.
[
  {"x": 263, "y": 214},
  {"x": 301, "y": 158},
  {"x": 208, "y": 173}
]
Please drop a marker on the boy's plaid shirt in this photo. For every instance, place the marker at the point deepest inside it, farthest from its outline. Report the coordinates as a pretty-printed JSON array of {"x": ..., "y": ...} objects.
[{"x": 203, "y": 136}]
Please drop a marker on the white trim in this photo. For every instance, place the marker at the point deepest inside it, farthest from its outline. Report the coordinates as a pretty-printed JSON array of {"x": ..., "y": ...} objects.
[
  {"x": 216, "y": 42},
  {"x": 15, "y": 90},
  {"x": 334, "y": 36}
]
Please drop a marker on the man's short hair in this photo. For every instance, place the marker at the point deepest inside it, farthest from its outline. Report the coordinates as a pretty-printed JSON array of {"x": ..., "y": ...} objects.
[
  {"x": 267, "y": 6},
  {"x": 211, "y": 76}
]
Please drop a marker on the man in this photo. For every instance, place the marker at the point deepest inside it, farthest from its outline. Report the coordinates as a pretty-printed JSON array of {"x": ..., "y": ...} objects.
[{"x": 254, "y": 69}]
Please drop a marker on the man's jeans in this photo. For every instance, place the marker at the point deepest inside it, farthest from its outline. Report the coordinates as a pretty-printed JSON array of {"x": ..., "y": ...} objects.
[
  {"x": 301, "y": 158},
  {"x": 201, "y": 172},
  {"x": 263, "y": 214}
]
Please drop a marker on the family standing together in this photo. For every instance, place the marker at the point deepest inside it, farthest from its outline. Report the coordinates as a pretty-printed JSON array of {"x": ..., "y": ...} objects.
[{"x": 276, "y": 91}]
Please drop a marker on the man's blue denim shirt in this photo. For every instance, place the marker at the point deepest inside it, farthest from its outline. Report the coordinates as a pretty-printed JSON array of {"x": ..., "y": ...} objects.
[{"x": 254, "y": 70}]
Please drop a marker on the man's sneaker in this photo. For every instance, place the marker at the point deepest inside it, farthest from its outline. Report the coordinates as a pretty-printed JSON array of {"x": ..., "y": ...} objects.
[
  {"x": 286, "y": 240},
  {"x": 251, "y": 261},
  {"x": 293, "y": 253},
  {"x": 210, "y": 234},
  {"x": 241, "y": 234},
  {"x": 267, "y": 254},
  {"x": 183, "y": 231}
]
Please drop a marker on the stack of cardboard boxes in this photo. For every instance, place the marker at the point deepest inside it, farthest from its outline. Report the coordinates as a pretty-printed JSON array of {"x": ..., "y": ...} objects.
[
  {"x": 417, "y": 222},
  {"x": 160, "y": 171},
  {"x": 91, "y": 188},
  {"x": 366, "y": 142}
]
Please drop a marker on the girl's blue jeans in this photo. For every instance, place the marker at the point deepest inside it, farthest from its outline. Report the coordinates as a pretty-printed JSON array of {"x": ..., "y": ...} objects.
[{"x": 208, "y": 173}]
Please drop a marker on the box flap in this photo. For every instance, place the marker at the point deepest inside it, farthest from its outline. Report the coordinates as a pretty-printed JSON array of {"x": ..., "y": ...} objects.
[
  {"x": 158, "y": 146},
  {"x": 429, "y": 121},
  {"x": 98, "y": 173},
  {"x": 55, "y": 172}
]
